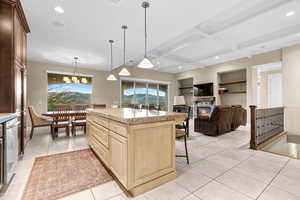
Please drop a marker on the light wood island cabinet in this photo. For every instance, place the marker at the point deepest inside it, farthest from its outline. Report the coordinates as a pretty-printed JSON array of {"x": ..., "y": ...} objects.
[{"x": 137, "y": 146}]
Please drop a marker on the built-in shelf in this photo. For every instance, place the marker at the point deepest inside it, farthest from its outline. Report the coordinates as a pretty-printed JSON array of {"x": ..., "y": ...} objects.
[
  {"x": 232, "y": 83},
  {"x": 234, "y": 92},
  {"x": 233, "y": 87},
  {"x": 184, "y": 88}
]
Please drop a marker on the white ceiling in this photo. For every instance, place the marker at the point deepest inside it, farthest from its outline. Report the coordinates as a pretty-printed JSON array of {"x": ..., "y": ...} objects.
[{"x": 189, "y": 34}]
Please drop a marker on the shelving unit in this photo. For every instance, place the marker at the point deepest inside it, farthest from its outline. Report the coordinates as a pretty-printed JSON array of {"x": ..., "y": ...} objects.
[
  {"x": 233, "y": 87},
  {"x": 232, "y": 83},
  {"x": 237, "y": 92},
  {"x": 183, "y": 88},
  {"x": 186, "y": 89}
]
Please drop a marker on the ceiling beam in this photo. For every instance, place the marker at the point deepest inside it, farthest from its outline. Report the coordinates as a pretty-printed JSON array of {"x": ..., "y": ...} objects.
[
  {"x": 230, "y": 45},
  {"x": 227, "y": 19},
  {"x": 246, "y": 10}
]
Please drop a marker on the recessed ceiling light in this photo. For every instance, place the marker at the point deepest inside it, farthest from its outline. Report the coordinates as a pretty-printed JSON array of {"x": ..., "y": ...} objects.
[
  {"x": 58, "y": 24},
  {"x": 179, "y": 67},
  {"x": 291, "y": 13},
  {"x": 217, "y": 57},
  {"x": 179, "y": 47},
  {"x": 59, "y": 9},
  {"x": 298, "y": 34}
]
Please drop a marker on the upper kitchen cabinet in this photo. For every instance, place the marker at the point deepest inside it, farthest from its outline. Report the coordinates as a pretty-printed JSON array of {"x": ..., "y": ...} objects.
[{"x": 13, "y": 47}]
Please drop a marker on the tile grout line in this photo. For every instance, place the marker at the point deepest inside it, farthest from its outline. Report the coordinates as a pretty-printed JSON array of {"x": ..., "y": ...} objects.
[
  {"x": 213, "y": 154},
  {"x": 93, "y": 194},
  {"x": 214, "y": 179},
  {"x": 273, "y": 179}
]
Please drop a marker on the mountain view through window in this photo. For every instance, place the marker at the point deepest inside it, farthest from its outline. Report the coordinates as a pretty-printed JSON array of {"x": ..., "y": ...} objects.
[
  {"x": 66, "y": 89},
  {"x": 144, "y": 94}
]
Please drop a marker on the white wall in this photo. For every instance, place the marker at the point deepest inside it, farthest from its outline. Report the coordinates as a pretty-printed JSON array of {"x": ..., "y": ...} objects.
[
  {"x": 291, "y": 87},
  {"x": 104, "y": 92},
  {"x": 210, "y": 73},
  {"x": 37, "y": 84}
]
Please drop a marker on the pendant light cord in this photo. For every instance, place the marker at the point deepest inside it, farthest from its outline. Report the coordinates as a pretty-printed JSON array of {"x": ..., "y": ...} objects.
[
  {"x": 111, "y": 55},
  {"x": 124, "y": 43},
  {"x": 145, "y": 31},
  {"x": 75, "y": 68}
]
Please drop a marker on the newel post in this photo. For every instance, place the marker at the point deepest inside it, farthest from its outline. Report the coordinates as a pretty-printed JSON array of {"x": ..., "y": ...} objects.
[{"x": 253, "y": 127}]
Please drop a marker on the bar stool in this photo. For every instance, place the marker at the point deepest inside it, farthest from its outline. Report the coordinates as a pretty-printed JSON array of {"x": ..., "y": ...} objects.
[{"x": 179, "y": 134}]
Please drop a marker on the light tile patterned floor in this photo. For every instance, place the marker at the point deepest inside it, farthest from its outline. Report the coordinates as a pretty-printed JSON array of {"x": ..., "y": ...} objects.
[{"x": 222, "y": 168}]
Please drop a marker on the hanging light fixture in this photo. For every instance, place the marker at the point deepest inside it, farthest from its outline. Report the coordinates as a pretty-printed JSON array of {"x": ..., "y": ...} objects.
[
  {"x": 124, "y": 71},
  {"x": 66, "y": 79},
  {"x": 111, "y": 77},
  {"x": 84, "y": 80},
  {"x": 145, "y": 63},
  {"x": 74, "y": 77}
]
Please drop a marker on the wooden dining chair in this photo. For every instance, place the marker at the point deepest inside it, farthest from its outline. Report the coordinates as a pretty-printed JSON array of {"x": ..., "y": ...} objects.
[
  {"x": 37, "y": 120},
  {"x": 153, "y": 107},
  {"x": 79, "y": 119},
  {"x": 99, "y": 106},
  {"x": 62, "y": 107},
  {"x": 80, "y": 107},
  {"x": 61, "y": 119}
]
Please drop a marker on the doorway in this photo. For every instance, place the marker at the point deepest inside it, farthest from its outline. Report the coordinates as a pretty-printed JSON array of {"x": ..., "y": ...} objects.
[
  {"x": 269, "y": 85},
  {"x": 274, "y": 90}
]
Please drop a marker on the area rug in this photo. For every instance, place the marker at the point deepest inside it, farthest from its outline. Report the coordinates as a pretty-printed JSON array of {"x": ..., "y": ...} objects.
[{"x": 59, "y": 175}]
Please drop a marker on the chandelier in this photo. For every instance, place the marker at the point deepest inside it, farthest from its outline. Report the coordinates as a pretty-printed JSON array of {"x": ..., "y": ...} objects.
[{"x": 75, "y": 79}]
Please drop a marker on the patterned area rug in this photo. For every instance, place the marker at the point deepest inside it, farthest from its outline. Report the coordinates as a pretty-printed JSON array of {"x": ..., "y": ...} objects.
[{"x": 59, "y": 175}]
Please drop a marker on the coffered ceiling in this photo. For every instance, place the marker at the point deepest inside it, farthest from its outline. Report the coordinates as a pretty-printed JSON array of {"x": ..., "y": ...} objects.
[{"x": 182, "y": 35}]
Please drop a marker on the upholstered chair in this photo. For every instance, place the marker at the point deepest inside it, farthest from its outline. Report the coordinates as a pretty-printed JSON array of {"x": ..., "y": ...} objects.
[{"x": 37, "y": 120}]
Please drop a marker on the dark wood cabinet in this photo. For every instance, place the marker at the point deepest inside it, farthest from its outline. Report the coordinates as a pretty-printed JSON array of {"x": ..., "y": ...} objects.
[{"x": 13, "y": 47}]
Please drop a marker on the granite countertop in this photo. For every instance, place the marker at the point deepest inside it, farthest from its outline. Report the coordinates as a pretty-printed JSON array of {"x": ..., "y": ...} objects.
[
  {"x": 136, "y": 116},
  {"x": 4, "y": 117}
]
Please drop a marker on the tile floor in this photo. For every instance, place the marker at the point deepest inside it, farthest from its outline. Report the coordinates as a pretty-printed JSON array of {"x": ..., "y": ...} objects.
[
  {"x": 222, "y": 168},
  {"x": 288, "y": 144}
]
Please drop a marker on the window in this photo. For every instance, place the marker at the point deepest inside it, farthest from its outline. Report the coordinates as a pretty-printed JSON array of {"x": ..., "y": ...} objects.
[
  {"x": 163, "y": 97},
  {"x": 140, "y": 93},
  {"x": 127, "y": 93},
  {"x": 144, "y": 94},
  {"x": 62, "y": 90}
]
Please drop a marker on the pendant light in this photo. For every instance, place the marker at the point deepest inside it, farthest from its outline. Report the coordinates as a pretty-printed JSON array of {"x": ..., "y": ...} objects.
[
  {"x": 124, "y": 71},
  {"x": 84, "y": 80},
  {"x": 66, "y": 79},
  {"x": 111, "y": 77},
  {"x": 74, "y": 77},
  {"x": 145, "y": 63}
]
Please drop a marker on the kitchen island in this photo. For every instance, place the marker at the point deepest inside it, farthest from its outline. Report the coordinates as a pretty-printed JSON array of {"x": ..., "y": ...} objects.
[{"x": 137, "y": 146}]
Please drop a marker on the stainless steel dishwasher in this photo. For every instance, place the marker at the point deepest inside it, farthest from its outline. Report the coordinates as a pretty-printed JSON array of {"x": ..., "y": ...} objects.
[
  {"x": 11, "y": 147},
  {"x": 1, "y": 157}
]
